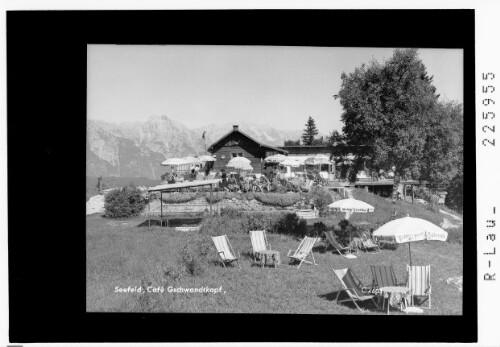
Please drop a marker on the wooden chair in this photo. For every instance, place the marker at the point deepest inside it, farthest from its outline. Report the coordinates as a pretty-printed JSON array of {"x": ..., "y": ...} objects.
[
  {"x": 304, "y": 249},
  {"x": 225, "y": 250},
  {"x": 419, "y": 282},
  {"x": 333, "y": 242},
  {"x": 353, "y": 287}
]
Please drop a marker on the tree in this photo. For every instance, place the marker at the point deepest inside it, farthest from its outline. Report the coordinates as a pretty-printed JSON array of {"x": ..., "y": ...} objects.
[
  {"x": 455, "y": 196},
  {"x": 392, "y": 117},
  {"x": 318, "y": 142},
  {"x": 309, "y": 132},
  {"x": 292, "y": 143},
  {"x": 443, "y": 151},
  {"x": 340, "y": 151}
]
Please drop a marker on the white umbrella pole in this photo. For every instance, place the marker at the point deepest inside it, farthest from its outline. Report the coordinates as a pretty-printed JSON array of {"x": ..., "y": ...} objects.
[{"x": 409, "y": 250}]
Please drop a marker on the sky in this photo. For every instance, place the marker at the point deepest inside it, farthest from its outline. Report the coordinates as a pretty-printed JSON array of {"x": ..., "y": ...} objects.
[{"x": 276, "y": 86}]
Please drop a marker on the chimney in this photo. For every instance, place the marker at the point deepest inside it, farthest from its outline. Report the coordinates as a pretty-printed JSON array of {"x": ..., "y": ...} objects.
[{"x": 235, "y": 127}]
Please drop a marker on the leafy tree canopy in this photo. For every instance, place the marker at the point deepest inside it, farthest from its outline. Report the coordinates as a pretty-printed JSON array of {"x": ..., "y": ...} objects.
[{"x": 392, "y": 117}]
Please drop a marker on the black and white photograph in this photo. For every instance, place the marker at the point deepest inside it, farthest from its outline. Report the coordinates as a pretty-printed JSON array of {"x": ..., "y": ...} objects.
[
  {"x": 255, "y": 174},
  {"x": 274, "y": 179}
]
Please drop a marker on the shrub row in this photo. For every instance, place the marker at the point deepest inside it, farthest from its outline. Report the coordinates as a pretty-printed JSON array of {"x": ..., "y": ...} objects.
[
  {"x": 276, "y": 199},
  {"x": 178, "y": 198},
  {"x": 232, "y": 221}
]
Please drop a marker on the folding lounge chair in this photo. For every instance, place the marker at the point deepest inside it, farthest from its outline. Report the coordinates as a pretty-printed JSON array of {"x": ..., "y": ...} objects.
[
  {"x": 353, "y": 287},
  {"x": 384, "y": 276},
  {"x": 370, "y": 246},
  {"x": 419, "y": 281},
  {"x": 225, "y": 250},
  {"x": 332, "y": 241},
  {"x": 259, "y": 242},
  {"x": 304, "y": 249}
]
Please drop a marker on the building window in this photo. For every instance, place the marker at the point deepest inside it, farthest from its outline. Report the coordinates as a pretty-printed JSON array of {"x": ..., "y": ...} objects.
[{"x": 237, "y": 155}]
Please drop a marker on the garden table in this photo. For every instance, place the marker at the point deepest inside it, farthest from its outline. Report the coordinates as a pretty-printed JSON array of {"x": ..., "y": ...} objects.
[
  {"x": 270, "y": 257},
  {"x": 394, "y": 290}
]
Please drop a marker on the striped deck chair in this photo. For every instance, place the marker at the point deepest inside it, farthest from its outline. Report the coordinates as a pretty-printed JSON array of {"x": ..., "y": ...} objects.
[
  {"x": 304, "y": 249},
  {"x": 225, "y": 250},
  {"x": 369, "y": 245},
  {"x": 353, "y": 287},
  {"x": 259, "y": 241},
  {"x": 335, "y": 244},
  {"x": 383, "y": 276},
  {"x": 419, "y": 281}
]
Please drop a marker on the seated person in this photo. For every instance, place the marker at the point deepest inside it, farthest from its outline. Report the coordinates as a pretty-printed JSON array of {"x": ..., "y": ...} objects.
[
  {"x": 232, "y": 183},
  {"x": 171, "y": 179}
]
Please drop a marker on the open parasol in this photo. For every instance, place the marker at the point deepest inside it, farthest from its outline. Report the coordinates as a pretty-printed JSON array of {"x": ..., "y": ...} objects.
[{"x": 409, "y": 229}]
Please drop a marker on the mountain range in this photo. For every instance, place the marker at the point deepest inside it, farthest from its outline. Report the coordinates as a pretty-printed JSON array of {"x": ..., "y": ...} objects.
[{"x": 136, "y": 149}]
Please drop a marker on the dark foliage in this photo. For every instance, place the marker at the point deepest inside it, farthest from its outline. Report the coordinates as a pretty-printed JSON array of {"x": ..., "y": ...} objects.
[{"x": 124, "y": 202}]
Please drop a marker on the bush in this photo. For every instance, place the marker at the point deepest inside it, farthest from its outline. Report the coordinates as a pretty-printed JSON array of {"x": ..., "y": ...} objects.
[
  {"x": 318, "y": 229},
  {"x": 192, "y": 258},
  {"x": 124, "y": 202},
  {"x": 290, "y": 224},
  {"x": 346, "y": 231},
  {"x": 178, "y": 198},
  {"x": 455, "y": 196},
  {"x": 277, "y": 199},
  {"x": 456, "y": 235},
  {"x": 321, "y": 198}
]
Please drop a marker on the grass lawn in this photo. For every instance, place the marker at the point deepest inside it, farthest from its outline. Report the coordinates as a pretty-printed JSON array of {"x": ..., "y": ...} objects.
[{"x": 121, "y": 253}]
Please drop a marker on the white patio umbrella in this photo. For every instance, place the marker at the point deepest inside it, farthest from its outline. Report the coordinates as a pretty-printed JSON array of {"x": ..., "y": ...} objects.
[
  {"x": 350, "y": 206},
  {"x": 192, "y": 160},
  {"x": 318, "y": 159},
  {"x": 174, "y": 162},
  {"x": 246, "y": 168},
  {"x": 290, "y": 162},
  {"x": 205, "y": 158},
  {"x": 409, "y": 229},
  {"x": 277, "y": 158},
  {"x": 238, "y": 162}
]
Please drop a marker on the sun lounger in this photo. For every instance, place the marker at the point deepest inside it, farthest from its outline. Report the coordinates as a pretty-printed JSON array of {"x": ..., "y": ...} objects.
[
  {"x": 384, "y": 276},
  {"x": 333, "y": 242},
  {"x": 353, "y": 287},
  {"x": 419, "y": 282},
  {"x": 225, "y": 250},
  {"x": 304, "y": 249},
  {"x": 259, "y": 241},
  {"x": 369, "y": 245}
]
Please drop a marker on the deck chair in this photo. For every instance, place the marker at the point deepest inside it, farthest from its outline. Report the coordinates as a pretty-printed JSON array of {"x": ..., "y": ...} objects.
[
  {"x": 369, "y": 245},
  {"x": 304, "y": 249},
  {"x": 225, "y": 250},
  {"x": 259, "y": 241},
  {"x": 419, "y": 281},
  {"x": 383, "y": 276},
  {"x": 335, "y": 244},
  {"x": 353, "y": 287}
]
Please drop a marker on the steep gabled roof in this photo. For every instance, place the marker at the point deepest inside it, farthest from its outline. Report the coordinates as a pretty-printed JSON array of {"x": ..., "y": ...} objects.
[{"x": 236, "y": 130}]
